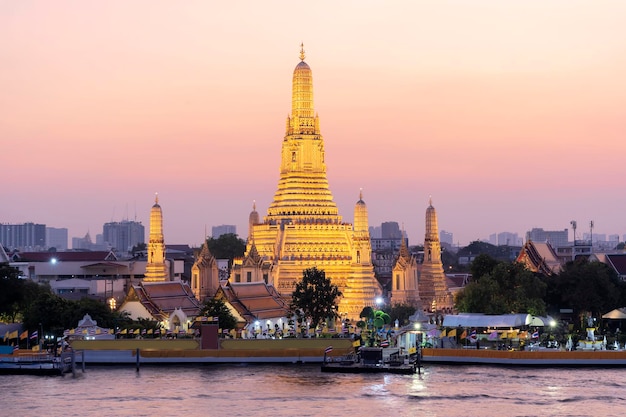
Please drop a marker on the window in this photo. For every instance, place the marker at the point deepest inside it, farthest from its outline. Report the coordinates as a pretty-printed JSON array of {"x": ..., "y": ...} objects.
[
  {"x": 249, "y": 276},
  {"x": 237, "y": 277},
  {"x": 265, "y": 278}
]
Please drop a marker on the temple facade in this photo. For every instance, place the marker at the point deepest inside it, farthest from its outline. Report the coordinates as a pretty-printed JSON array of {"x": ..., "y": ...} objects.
[
  {"x": 303, "y": 228},
  {"x": 156, "y": 269},
  {"x": 405, "y": 278}
]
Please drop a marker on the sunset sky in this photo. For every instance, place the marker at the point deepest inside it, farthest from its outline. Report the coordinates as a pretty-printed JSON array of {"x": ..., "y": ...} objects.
[{"x": 510, "y": 114}]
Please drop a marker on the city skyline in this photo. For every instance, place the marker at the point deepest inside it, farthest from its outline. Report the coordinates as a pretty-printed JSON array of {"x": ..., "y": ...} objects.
[{"x": 510, "y": 115}]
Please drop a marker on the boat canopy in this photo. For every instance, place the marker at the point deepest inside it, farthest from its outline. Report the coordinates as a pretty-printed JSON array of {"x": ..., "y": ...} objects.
[{"x": 494, "y": 321}]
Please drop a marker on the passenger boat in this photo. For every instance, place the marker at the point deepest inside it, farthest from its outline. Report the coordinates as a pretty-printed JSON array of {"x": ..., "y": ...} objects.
[
  {"x": 35, "y": 364},
  {"x": 546, "y": 357}
]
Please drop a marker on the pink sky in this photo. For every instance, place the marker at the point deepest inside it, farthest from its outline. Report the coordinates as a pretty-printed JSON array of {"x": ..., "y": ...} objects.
[{"x": 511, "y": 114}]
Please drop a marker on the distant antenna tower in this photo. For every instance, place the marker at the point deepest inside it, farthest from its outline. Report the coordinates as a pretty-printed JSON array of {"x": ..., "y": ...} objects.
[
  {"x": 573, "y": 223},
  {"x": 591, "y": 232}
]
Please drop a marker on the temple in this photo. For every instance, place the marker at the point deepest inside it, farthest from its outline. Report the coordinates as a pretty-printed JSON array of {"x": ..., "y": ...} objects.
[
  {"x": 156, "y": 270},
  {"x": 303, "y": 228},
  {"x": 434, "y": 291},
  {"x": 422, "y": 285}
]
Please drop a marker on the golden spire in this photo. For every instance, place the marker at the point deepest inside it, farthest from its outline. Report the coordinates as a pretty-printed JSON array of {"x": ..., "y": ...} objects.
[
  {"x": 156, "y": 198},
  {"x": 302, "y": 52}
]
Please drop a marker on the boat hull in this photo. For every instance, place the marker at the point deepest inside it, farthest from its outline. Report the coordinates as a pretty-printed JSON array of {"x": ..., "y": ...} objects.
[{"x": 524, "y": 358}]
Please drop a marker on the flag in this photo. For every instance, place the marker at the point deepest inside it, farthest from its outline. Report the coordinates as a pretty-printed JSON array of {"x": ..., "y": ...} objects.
[
  {"x": 356, "y": 343},
  {"x": 150, "y": 331},
  {"x": 384, "y": 343},
  {"x": 6, "y": 335},
  {"x": 144, "y": 331},
  {"x": 125, "y": 331},
  {"x": 35, "y": 335},
  {"x": 443, "y": 333},
  {"x": 24, "y": 335},
  {"x": 452, "y": 333},
  {"x": 535, "y": 335},
  {"x": 464, "y": 334},
  {"x": 473, "y": 336},
  {"x": 493, "y": 335},
  {"x": 328, "y": 349},
  {"x": 136, "y": 331},
  {"x": 13, "y": 335}
]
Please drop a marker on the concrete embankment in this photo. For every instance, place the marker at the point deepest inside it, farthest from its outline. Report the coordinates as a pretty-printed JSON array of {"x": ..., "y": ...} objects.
[{"x": 227, "y": 351}]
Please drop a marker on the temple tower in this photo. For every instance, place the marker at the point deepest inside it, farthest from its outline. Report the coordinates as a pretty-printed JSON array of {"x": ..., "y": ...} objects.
[
  {"x": 303, "y": 228},
  {"x": 433, "y": 289},
  {"x": 156, "y": 270}
]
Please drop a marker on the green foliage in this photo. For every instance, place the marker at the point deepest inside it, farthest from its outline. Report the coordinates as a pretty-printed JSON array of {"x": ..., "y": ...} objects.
[
  {"x": 507, "y": 288},
  {"x": 217, "y": 308},
  {"x": 16, "y": 294},
  {"x": 227, "y": 246},
  {"x": 367, "y": 312},
  {"x": 401, "y": 312},
  {"x": 584, "y": 286},
  {"x": 482, "y": 265},
  {"x": 315, "y": 297},
  {"x": 56, "y": 314}
]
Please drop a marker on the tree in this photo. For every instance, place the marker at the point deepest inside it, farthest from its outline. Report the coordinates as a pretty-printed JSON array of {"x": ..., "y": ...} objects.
[
  {"x": 401, "y": 312},
  {"x": 10, "y": 292},
  {"x": 217, "y": 308},
  {"x": 315, "y": 297},
  {"x": 507, "y": 288},
  {"x": 227, "y": 246},
  {"x": 586, "y": 287}
]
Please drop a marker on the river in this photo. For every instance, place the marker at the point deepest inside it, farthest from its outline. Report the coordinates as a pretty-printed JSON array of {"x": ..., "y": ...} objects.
[{"x": 302, "y": 390}]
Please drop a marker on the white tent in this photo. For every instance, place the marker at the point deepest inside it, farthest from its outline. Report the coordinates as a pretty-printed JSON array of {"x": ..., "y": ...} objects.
[
  {"x": 617, "y": 314},
  {"x": 495, "y": 321}
]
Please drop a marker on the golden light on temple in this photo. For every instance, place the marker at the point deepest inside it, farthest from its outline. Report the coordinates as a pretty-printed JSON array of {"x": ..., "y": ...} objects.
[{"x": 302, "y": 228}]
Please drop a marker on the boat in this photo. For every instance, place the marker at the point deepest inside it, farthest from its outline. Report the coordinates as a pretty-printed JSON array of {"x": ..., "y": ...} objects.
[
  {"x": 34, "y": 363},
  {"x": 372, "y": 360},
  {"x": 544, "y": 357}
]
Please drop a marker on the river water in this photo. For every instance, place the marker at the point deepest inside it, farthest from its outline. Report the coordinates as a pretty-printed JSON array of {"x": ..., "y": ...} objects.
[{"x": 303, "y": 390}]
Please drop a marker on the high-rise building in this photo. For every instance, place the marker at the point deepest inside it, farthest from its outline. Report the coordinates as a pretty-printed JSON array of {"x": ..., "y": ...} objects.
[
  {"x": 28, "y": 237},
  {"x": 446, "y": 237},
  {"x": 217, "y": 231},
  {"x": 56, "y": 238},
  {"x": 303, "y": 228},
  {"x": 509, "y": 239},
  {"x": 556, "y": 238},
  {"x": 390, "y": 230},
  {"x": 156, "y": 269},
  {"x": 123, "y": 236}
]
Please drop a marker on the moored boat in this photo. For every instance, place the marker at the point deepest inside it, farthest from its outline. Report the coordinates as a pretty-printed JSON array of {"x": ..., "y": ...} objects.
[
  {"x": 548, "y": 357},
  {"x": 372, "y": 360},
  {"x": 35, "y": 364}
]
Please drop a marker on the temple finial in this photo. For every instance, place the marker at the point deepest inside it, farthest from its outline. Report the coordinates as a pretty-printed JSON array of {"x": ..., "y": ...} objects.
[
  {"x": 430, "y": 200},
  {"x": 156, "y": 198},
  {"x": 361, "y": 194},
  {"x": 302, "y": 52},
  {"x": 254, "y": 205}
]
